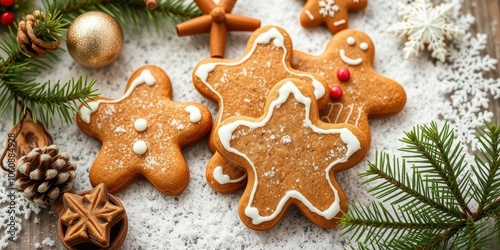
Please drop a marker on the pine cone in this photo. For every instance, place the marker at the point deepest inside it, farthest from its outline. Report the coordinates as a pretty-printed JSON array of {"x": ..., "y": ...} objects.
[
  {"x": 27, "y": 39},
  {"x": 44, "y": 174}
]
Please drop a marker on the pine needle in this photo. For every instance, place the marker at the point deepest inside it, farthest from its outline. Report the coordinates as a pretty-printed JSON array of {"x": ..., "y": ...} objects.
[{"x": 130, "y": 12}]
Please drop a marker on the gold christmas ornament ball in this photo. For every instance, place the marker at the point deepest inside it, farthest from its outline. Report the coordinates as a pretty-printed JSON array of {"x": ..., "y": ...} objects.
[{"x": 95, "y": 39}]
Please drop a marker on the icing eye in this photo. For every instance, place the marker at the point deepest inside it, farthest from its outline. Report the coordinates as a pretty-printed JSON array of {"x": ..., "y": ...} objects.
[
  {"x": 363, "y": 46},
  {"x": 351, "y": 40}
]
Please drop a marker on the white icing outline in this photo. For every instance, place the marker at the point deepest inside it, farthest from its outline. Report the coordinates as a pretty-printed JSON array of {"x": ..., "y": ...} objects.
[
  {"x": 144, "y": 77},
  {"x": 225, "y": 135},
  {"x": 264, "y": 38},
  {"x": 309, "y": 14},
  {"x": 194, "y": 113},
  {"x": 349, "y": 60},
  {"x": 339, "y": 22},
  {"x": 350, "y": 112},
  {"x": 326, "y": 118},
  {"x": 359, "y": 116},
  {"x": 222, "y": 178}
]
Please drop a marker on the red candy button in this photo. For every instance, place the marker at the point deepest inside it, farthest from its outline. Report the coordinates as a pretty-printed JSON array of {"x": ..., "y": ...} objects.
[
  {"x": 343, "y": 74},
  {"x": 335, "y": 92}
]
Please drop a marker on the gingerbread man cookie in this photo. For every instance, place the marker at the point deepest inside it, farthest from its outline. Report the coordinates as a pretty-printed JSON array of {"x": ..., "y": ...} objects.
[
  {"x": 291, "y": 158},
  {"x": 357, "y": 92},
  {"x": 331, "y": 12},
  {"x": 240, "y": 87},
  {"x": 143, "y": 133}
]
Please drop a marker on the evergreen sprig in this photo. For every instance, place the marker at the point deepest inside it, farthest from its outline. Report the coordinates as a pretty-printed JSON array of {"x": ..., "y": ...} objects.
[
  {"x": 429, "y": 198},
  {"x": 18, "y": 71},
  {"x": 129, "y": 12}
]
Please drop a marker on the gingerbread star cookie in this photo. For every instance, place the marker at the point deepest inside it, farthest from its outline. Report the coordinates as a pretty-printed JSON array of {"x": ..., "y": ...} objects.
[
  {"x": 333, "y": 13},
  {"x": 89, "y": 218},
  {"x": 357, "y": 92},
  {"x": 240, "y": 87},
  {"x": 143, "y": 133},
  {"x": 291, "y": 158}
]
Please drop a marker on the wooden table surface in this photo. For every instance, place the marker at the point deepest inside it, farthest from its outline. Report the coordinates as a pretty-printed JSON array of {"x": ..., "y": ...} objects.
[{"x": 487, "y": 13}]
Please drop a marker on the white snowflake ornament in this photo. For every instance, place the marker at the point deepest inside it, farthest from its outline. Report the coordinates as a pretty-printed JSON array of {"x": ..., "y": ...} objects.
[
  {"x": 426, "y": 26},
  {"x": 468, "y": 89}
]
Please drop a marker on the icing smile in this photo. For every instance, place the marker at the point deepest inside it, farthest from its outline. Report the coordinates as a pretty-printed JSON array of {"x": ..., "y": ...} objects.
[{"x": 349, "y": 60}]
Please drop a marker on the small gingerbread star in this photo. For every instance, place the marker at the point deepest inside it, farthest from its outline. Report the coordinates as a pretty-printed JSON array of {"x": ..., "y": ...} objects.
[
  {"x": 291, "y": 158},
  {"x": 89, "y": 218},
  {"x": 217, "y": 20},
  {"x": 240, "y": 86},
  {"x": 333, "y": 13},
  {"x": 143, "y": 133},
  {"x": 357, "y": 92}
]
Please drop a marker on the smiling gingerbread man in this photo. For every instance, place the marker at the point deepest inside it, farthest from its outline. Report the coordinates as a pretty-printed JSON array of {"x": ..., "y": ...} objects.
[{"x": 357, "y": 92}]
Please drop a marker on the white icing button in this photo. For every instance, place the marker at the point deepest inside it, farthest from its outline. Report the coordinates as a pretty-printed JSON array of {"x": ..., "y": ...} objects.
[
  {"x": 140, "y": 124},
  {"x": 363, "y": 46},
  {"x": 194, "y": 113},
  {"x": 140, "y": 147},
  {"x": 351, "y": 40}
]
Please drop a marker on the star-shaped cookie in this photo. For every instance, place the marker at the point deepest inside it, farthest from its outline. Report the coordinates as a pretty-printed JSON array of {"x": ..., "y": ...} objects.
[
  {"x": 365, "y": 93},
  {"x": 291, "y": 158},
  {"x": 333, "y": 13},
  {"x": 89, "y": 218},
  {"x": 240, "y": 86},
  {"x": 143, "y": 133}
]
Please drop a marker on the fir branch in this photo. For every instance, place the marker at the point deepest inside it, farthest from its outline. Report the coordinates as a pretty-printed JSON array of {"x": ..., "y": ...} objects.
[
  {"x": 46, "y": 101},
  {"x": 51, "y": 28},
  {"x": 420, "y": 219},
  {"x": 434, "y": 155},
  {"x": 400, "y": 189},
  {"x": 18, "y": 71},
  {"x": 488, "y": 166},
  {"x": 129, "y": 12},
  {"x": 375, "y": 221}
]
